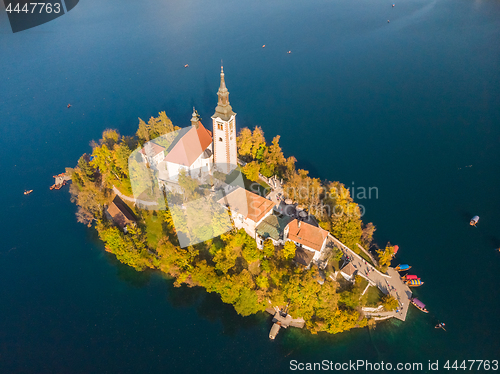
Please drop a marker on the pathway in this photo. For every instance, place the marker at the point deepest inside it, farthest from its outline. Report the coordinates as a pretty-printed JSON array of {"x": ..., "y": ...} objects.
[{"x": 389, "y": 283}]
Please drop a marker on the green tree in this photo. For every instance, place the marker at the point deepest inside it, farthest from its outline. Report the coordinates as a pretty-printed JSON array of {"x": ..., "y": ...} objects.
[
  {"x": 120, "y": 155},
  {"x": 268, "y": 249},
  {"x": 289, "y": 250},
  {"x": 188, "y": 186},
  {"x": 87, "y": 171},
  {"x": 262, "y": 281},
  {"x": 389, "y": 302}
]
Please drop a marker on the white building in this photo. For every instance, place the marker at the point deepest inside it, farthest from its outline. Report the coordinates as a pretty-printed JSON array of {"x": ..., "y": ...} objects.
[
  {"x": 196, "y": 149},
  {"x": 248, "y": 210},
  {"x": 309, "y": 239},
  {"x": 191, "y": 151},
  {"x": 152, "y": 154}
]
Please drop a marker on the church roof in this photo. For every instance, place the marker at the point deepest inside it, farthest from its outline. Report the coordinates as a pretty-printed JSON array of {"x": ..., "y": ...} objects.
[
  {"x": 306, "y": 234},
  {"x": 250, "y": 205},
  {"x": 189, "y": 144}
]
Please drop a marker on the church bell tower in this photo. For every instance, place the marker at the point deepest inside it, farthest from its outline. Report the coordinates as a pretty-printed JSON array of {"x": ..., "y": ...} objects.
[{"x": 224, "y": 131}]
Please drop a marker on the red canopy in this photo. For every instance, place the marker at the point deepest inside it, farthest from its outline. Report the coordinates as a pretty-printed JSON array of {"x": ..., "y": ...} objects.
[{"x": 396, "y": 249}]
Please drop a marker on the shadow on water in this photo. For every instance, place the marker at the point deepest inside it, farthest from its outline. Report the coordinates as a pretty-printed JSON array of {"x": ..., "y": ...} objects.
[
  {"x": 134, "y": 278},
  {"x": 210, "y": 307},
  {"x": 307, "y": 165},
  {"x": 465, "y": 215},
  {"x": 495, "y": 242}
]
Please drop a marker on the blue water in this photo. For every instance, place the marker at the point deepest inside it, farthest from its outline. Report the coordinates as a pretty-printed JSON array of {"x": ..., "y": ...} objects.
[{"x": 403, "y": 106}]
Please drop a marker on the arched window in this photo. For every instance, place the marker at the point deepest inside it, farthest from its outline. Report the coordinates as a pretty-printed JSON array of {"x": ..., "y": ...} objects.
[{"x": 220, "y": 139}]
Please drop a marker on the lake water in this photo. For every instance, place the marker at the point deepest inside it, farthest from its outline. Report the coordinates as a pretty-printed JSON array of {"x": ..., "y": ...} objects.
[{"x": 411, "y": 107}]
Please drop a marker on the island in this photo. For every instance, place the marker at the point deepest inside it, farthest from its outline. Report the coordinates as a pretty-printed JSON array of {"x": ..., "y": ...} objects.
[{"x": 230, "y": 213}]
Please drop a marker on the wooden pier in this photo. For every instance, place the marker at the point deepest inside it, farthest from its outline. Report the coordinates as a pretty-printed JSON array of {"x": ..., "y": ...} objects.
[
  {"x": 282, "y": 319},
  {"x": 60, "y": 180}
]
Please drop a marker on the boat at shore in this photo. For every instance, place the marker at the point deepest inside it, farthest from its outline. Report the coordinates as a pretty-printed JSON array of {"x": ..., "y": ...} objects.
[
  {"x": 408, "y": 277},
  {"x": 420, "y": 305},
  {"x": 414, "y": 282},
  {"x": 403, "y": 267},
  {"x": 474, "y": 220}
]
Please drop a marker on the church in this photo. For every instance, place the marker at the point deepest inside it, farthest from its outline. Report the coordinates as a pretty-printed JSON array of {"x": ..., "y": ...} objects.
[{"x": 196, "y": 150}]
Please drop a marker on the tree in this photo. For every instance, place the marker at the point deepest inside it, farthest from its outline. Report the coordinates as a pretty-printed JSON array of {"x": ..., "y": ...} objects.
[
  {"x": 389, "y": 302},
  {"x": 143, "y": 131},
  {"x": 188, "y": 186},
  {"x": 367, "y": 234},
  {"x": 250, "y": 251},
  {"x": 84, "y": 216},
  {"x": 110, "y": 137},
  {"x": 385, "y": 255},
  {"x": 289, "y": 250},
  {"x": 87, "y": 171},
  {"x": 262, "y": 281},
  {"x": 244, "y": 141},
  {"x": 345, "y": 216},
  {"x": 225, "y": 259},
  {"x": 268, "y": 249},
  {"x": 258, "y": 141},
  {"x": 251, "y": 171}
]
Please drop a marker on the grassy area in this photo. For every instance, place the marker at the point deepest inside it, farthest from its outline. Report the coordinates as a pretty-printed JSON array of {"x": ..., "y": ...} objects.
[
  {"x": 262, "y": 190},
  {"x": 373, "y": 297},
  {"x": 124, "y": 186},
  {"x": 154, "y": 230},
  {"x": 362, "y": 284}
]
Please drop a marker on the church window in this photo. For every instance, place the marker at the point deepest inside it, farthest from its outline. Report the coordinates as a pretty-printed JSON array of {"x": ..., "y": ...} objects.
[
  {"x": 231, "y": 126},
  {"x": 220, "y": 126},
  {"x": 220, "y": 139}
]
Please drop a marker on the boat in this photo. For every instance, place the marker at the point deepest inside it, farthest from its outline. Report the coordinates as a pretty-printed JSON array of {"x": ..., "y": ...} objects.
[
  {"x": 408, "y": 277},
  {"x": 289, "y": 52},
  {"x": 186, "y": 66},
  {"x": 393, "y": 5},
  {"x": 440, "y": 325},
  {"x": 403, "y": 267},
  {"x": 69, "y": 106},
  {"x": 420, "y": 305},
  {"x": 414, "y": 282},
  {"x": 264, "y": 46},
  {"x": 27, "y": 192},
  {"x": 474, "y": 220}
]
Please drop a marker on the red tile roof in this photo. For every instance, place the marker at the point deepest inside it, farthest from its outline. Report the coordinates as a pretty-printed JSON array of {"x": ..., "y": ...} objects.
[
  {"x": 308, "y": 235},
  {"x": 190, "y": 146},
  {"x": 248, "y": 204}
]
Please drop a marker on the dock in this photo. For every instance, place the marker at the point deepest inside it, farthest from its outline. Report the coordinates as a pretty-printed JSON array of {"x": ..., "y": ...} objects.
[
  {"x": 60, "y": 181},
  {"x": 282, "y": 319}
]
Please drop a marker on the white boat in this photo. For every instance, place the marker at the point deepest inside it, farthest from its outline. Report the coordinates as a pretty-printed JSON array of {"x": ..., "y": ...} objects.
[{"x": 474, "y": 220}]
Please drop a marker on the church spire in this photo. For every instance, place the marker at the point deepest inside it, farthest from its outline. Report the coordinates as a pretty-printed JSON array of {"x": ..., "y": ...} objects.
[
  {"x": 195, "y": 118},
  {"x": 223, "y": 109}
]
